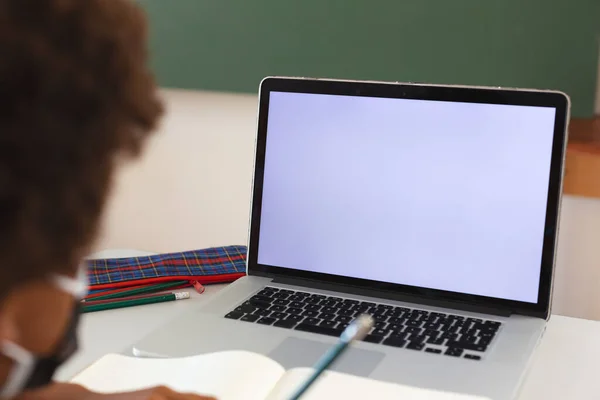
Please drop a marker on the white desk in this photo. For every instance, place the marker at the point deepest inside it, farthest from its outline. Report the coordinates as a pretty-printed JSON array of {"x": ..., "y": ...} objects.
[{"x": 566, "y": 366}]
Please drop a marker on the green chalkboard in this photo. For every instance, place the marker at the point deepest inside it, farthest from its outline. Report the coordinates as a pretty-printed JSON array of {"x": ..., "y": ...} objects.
[{"x": 231, "y": 44}]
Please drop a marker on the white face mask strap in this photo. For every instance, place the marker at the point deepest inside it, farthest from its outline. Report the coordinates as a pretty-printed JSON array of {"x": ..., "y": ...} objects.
[
  {"x": 78, "y": 287},
  {"x": 20, "y": 370}
]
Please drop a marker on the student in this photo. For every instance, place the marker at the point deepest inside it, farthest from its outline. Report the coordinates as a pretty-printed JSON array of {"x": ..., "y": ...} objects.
[{"x": 76, "y": 100}]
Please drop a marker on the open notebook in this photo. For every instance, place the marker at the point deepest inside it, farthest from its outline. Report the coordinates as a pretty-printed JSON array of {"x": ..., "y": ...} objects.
[{"x": 239, "y": 375}]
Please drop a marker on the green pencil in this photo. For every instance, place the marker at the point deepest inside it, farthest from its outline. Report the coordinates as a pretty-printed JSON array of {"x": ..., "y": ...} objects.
[{"x": 135, "y": 302}]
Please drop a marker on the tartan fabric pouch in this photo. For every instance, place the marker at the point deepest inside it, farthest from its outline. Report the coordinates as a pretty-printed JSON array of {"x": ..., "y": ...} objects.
[{"x": 212, "y": 265}]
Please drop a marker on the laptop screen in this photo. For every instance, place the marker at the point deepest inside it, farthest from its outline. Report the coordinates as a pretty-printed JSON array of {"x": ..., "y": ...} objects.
[{"x": 432, "y": 194}]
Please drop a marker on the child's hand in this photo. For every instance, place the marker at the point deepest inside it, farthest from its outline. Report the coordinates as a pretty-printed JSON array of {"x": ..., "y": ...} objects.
[{"x": 63, "y": 391}]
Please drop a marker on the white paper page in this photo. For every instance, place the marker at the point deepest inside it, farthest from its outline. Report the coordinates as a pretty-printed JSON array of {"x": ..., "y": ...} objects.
[
  {"x": 334, "y": 385},
  {"x": 231, "y": 375}
]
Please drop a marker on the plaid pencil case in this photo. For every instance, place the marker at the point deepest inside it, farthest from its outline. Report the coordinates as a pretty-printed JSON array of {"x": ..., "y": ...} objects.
[{"x": 196, "y": 267}]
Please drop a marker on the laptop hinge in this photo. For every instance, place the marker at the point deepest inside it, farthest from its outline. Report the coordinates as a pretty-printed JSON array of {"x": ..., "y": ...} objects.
[{"x": 417, "y": 300}]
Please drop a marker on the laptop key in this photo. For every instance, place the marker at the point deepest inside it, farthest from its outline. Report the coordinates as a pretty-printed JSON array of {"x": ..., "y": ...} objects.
[
  {"x": 395, "y": 327},
  {"x": 311, "y": 321},
  {"x": 472, "y": 357},
  {"x": 349, "y": 313},
  {"x": 432, "y": 325},
  {"x": 278, "y": 308},
  {"x": 467, "y": 346},
  {"x": 285, "y": 323},
  {"x": 258, "y": 297},
  {"x": 395, "y": 342},
  {"x": 487, "y": 334},
  {"x": 310, "y": 313},
  {"x": 379, "y": 317},
  {"x": 266, "y": 321},
  {"x": 234, "y": 315},
  {"x": 470, "y": 332},
  {"x": 329, "y": 324},
  {"x": 380, "y": 332},
  {"x": 416, "y": 338},
  {"x": 296, "y": 304},
  {"x": 326, "y": 316},
  {"x": 281, "y": 302},
  {"x": 454, "y": 352},
  {"x": 460, "y": 323},
  {"x": 343, "y": 318},
  {"x": 380, "y": 324},
  {"x": 313, "y": 307},
  {"x": 449, "y": 335},
  {"x": 329, "y": 310},
  {"x": 415, "y": 346},
  {"x": 432, "y": 350},
  {"x": 278, "y": 315},
  {"x": 492, "y": 324},
  {"x": 260, "y": 303},
  {"x": 373, "y": 338},
  {"x": 399, "y": 335},
  {"x": 296, "y": 311},
  {"x": 397, "y": 320},
  {"x": 490, "y": 329},
  {"x": 323, "y": 330},
  {"x": 261, "y": 312},
  {"x": 294, "y": 317},
  {"x": 250, "y": 318},
  {"x": 468, "y": 339},
  {"x": 245, "y": 309},
  {"x": 435, "y": 340}
]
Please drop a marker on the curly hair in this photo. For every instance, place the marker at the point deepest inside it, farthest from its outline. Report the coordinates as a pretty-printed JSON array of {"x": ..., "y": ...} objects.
[{"x": 75, "y": 96}]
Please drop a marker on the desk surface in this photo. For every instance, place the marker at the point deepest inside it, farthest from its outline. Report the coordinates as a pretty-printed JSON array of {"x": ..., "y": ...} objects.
[{"x": 566, "y": 365}]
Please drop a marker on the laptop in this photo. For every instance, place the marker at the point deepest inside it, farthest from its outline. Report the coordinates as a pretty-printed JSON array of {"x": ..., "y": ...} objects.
[{"x": 432, "y": 208}]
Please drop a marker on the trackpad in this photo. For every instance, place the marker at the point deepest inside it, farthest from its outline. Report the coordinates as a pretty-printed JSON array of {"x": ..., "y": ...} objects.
[{"x": 294, "y": 352}]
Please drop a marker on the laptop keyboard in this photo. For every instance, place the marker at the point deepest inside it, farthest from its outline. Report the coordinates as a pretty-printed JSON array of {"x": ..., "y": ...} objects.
[{"x": 402, "y": 327}]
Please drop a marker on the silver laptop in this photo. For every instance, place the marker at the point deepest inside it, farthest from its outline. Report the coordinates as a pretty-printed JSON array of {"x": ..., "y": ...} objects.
[{"x": 432, "y": 208}]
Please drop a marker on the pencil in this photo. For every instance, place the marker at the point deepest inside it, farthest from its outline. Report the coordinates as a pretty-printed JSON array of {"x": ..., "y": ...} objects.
[
  {"x": 357, "y": 330},
  {"x": 122, "y": 303}
]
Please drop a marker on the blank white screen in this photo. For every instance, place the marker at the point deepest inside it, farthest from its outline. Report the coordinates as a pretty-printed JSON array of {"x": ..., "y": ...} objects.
[{"x": 440, "y": 195}]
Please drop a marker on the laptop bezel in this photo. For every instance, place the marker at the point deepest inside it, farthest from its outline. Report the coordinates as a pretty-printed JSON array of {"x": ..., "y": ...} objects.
[{"x": 556, "y": 99}]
